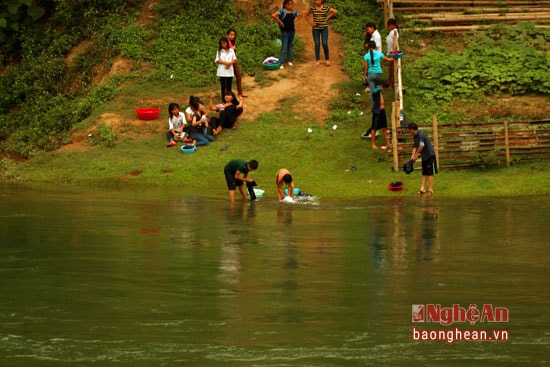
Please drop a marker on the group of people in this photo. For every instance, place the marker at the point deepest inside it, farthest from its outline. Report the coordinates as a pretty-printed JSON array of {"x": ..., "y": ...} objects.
[
  {"x": 195, "y": 126},
  {"x": 236, "y": 176},
  {"x": 317, "y": 15},
  {"x": 228, "y": 67},
  {"x": 372, "y": 76}
]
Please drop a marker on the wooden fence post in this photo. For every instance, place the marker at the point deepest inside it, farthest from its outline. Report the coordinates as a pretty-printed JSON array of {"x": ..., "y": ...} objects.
[
  {"x": 388, "y": 10},
  {"x": 395, "y": 113},
  {"x": 506, "y": 144},
  {"x": 436, "y": 140}
]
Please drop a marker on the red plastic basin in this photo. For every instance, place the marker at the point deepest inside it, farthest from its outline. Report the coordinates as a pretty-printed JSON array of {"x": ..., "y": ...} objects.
[
  {"x": 395, "y": 186},
  {"x": 148, "y": 113}
]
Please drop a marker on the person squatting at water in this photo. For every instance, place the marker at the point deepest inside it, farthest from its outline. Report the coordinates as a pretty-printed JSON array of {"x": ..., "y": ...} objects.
[
  {"x": 236, "y": 174},
  {"x": 284, "y": 176}
]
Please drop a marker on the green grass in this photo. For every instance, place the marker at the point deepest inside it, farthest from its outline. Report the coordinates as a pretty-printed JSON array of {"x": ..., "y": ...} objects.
[{"x": 321, "y": 162}]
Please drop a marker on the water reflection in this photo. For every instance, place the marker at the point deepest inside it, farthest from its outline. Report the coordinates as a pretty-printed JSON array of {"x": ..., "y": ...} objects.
[{"x": 138, "y": 278}]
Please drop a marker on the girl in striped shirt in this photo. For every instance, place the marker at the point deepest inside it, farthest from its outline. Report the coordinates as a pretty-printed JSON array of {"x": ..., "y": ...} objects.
[{"x": 321, "y": 14}]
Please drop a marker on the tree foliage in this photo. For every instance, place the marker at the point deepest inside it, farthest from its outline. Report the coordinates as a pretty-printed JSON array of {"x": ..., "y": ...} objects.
[{"x": 50, "y": 49}]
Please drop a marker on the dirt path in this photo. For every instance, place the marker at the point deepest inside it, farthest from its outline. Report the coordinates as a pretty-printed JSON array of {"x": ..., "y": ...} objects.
[
  {"x": 306, "y": 82},
  {"x": 309, "y": 84}
]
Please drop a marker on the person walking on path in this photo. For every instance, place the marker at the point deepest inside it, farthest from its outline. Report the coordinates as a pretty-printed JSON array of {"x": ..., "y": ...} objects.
[
  {"x": 372, "y": 69},
  {"x": 286, "y": 18},
  {"x": 379, "y": 120},
  {"x": 423, "y": 148},
  {"x": 236, "y": 174},
  {"x": 321, "y": 15}
]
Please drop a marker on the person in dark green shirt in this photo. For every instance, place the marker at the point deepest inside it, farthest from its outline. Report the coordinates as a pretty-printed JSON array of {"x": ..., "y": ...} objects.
[{"x": 236, "y": 174}]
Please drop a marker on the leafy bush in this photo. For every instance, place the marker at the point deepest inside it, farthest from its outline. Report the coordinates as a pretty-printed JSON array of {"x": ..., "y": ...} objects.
[
  {"x": 48, "y": 88},
  {"x": 106, "y": 136},
  {"x": 46, "y": 93},
  {"x": 131, "y": 42},
  {"x": 496, "y": 62},
  {"x": 185, "y": 47}
]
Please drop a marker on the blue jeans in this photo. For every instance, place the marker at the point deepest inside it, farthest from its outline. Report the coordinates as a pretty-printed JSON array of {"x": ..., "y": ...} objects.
[
  {"x": 374, "y": 80},
  {"x": 287, "y": 39},
  {"x": 320, "y": 36},
  {"x": 202, "y": 139}
]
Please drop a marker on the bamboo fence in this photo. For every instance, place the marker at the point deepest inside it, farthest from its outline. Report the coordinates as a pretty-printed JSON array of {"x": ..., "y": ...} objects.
[
  {"x": 466, "y": 15},
  {"x": 469, "y": 145}
]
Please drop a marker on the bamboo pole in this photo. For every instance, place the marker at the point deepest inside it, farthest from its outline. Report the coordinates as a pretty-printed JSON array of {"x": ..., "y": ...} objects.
[
  {"x": 506, "y": 144},
  {"x": 388, "y": 10},
  {"x": 469, "y": 19},
  {"x": 471, "y": 2},
  {"x": 477, "y": 15},
  {"x": 464, "y": 28},
  {"x": 394, "y": 118},
  {"x": 436, "y": 140},
  {"x": 394, "y": 69},
  {"x": 531, "y": 8}
]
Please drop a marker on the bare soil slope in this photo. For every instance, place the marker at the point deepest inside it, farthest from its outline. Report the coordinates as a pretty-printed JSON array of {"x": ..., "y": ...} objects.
[{"x": 309, "y": 84}]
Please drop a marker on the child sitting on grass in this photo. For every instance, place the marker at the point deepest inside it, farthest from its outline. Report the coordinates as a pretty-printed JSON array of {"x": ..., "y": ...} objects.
[{"x": 176, "y": 125}]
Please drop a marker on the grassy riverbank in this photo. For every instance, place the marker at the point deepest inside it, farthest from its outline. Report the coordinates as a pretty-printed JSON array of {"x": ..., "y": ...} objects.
[
  {"x": 321, "y": 162},
  {"x": 110, "y": 148}
]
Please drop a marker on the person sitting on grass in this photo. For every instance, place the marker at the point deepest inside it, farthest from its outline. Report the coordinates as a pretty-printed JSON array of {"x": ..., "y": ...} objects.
[
  {"x": 176, "y": 125},
  {"x": 199, "y": 128},
  {"x": 229, "y": 111},
  {"x": 284, "y": 176},
  {"x": 236, "y": 174}
]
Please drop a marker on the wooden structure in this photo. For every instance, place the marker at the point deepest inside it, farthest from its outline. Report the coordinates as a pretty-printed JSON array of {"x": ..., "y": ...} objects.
[
  {"x": 465, "y": 15},
  {"x": 467, "y": 145},
  {"x": 464, "y": 145}
]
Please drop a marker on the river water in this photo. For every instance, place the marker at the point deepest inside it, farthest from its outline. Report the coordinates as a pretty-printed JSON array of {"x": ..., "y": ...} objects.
[{"x": 104, "y": 278}]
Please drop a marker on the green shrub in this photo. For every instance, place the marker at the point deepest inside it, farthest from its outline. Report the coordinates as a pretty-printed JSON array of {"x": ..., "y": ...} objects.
[
  {"x": 106, "y": 136},
  {"x": 500, "y": 61},
  {"x": 131, "y": 42}
]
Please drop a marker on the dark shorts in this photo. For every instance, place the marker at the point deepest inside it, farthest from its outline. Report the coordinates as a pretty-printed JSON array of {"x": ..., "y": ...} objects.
[
  {"x": 232, "y": 183},
  {"x": 429, "y": 166},
  {"x": 379, "y": 120}
]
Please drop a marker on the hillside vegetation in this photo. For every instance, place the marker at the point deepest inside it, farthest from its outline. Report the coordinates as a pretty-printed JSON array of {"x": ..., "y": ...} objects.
[{"x": 57, "y": 56}]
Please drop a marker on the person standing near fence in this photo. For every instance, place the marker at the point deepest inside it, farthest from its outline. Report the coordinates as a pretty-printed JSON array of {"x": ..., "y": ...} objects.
[
  {"x": 391, "y": 39},
  {"x": 372, "y": 34},
  {"x": 423, "y": 148}
]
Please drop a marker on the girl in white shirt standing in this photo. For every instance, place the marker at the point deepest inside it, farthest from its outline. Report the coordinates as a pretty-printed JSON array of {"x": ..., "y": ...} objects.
[{"x": 225, "y": 58}]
